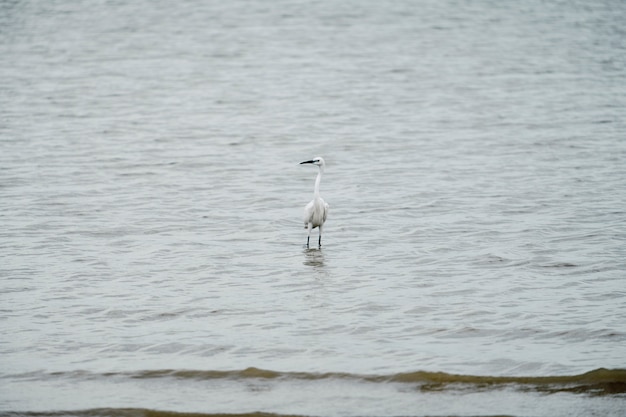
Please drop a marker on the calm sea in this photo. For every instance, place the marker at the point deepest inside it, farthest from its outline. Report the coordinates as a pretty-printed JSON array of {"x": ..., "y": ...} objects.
[{"x": 152, "y": 255}]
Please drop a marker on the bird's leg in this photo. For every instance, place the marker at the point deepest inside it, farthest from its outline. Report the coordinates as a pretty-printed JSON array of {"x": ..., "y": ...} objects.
[
  {"x": 309, "y": 236},
  {"x": 319, "y": 241}
]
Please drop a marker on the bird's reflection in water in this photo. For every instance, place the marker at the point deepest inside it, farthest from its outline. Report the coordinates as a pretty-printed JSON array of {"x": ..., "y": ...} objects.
[{"x": 314, "y": 258}]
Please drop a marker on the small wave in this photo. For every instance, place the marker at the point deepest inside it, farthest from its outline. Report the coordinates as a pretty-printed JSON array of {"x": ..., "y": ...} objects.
[{"x": 597, "y": 382}]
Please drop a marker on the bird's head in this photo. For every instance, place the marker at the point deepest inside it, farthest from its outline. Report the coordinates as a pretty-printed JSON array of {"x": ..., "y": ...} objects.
[{"x": 318, "y": 160}]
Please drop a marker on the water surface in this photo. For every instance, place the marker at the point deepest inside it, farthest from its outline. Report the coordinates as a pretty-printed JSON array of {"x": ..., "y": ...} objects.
[{"x": 151, "y": 198}]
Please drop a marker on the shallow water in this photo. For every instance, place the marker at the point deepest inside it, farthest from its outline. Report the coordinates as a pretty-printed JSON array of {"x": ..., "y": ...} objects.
[{"x": 151, "y": 203}]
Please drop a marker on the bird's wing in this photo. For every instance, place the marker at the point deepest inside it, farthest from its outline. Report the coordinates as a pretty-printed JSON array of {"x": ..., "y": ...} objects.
[
  {"x": 308, "y": 214},
  {"x": 326, "y": 208}
]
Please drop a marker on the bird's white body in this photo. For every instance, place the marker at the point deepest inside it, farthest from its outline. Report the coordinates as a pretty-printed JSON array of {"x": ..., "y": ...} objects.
[{"x": 316, "y": 211}]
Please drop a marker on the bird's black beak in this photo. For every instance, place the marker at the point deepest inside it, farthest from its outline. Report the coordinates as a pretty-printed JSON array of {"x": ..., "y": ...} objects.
[{"x": 307, "y": 162}]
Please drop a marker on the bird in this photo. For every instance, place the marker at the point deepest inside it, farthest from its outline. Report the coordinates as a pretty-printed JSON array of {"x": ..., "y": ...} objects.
[{"x": 316, "y": 211}]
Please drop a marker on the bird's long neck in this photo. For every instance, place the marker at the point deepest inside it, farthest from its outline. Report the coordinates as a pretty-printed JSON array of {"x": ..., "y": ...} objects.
[{"x": 317, "y": 183}]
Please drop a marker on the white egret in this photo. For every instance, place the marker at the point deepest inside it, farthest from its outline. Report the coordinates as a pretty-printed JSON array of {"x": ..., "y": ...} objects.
[{"x": 316, "y": 211}]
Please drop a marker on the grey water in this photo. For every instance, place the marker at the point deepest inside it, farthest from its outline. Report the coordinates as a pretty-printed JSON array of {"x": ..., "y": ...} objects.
[{"x": 151, "y": 205}]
